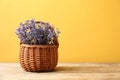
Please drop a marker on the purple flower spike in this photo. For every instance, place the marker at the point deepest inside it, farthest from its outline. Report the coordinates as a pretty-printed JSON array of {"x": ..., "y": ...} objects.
[{"x": 37, "y": 32}]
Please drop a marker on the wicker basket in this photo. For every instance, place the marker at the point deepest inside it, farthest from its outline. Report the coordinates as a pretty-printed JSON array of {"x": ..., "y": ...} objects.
[{"x": 38, "y": 57}]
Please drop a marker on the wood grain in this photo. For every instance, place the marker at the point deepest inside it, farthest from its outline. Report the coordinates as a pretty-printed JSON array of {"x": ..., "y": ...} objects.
[{"x": 64, "y": 71}]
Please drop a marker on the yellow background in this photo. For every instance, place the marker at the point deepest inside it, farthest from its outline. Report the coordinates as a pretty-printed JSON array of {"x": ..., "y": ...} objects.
[{"x": 90, "y": 29}]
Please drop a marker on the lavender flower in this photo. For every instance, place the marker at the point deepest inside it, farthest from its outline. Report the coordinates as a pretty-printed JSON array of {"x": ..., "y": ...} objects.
[{"x": 37, "y": 32}]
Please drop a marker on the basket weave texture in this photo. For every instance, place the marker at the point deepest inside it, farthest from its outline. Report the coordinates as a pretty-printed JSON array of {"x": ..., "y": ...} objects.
[{"x": 38, "y": 57}]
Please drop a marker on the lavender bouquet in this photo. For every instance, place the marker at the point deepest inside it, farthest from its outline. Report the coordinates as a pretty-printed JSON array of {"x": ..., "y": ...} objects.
[{"x": 37, "y": 33}]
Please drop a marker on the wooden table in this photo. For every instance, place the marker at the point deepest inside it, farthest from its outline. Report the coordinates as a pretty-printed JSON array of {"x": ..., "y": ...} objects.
[{"x": 64, "y": 71}]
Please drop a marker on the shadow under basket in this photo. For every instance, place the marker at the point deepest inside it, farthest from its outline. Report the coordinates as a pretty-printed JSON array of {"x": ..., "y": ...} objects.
[{"x": 38, "y": 58}]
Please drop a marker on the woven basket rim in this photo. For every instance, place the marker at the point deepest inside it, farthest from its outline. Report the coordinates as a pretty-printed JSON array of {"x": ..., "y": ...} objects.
[{"x": 43, "y": 46}]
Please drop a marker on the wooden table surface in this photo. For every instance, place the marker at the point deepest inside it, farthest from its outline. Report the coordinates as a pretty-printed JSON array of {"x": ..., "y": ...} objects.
[{"x": 64, "y": 71}]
